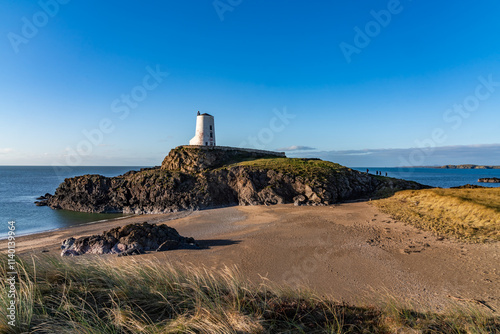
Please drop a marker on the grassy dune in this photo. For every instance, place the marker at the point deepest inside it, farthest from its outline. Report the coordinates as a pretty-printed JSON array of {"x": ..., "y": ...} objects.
[
  {"x": 142, "y": 296},
  {"x": 467, "y": 214}
]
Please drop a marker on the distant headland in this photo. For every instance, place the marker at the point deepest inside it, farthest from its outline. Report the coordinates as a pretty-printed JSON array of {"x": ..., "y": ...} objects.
[{"x": 467, "y": 166}]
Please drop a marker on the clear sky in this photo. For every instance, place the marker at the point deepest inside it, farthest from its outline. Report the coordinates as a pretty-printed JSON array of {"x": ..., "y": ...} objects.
[{"x": 362, "y": 83}]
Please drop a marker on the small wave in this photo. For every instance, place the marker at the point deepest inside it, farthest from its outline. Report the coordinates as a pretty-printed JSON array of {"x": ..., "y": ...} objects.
[{"x": 19, "y": 199}]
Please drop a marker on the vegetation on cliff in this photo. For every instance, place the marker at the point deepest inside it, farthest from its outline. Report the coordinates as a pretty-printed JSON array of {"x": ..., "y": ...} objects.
[
  {"x": 306, "y": 168},
  {"x": 75, "y": 295},
  {"x": 470, "y": 214},
  {"x": 194, "y": 178}
]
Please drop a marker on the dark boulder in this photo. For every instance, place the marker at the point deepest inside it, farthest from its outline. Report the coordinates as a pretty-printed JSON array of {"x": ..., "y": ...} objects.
[{"x": 128, "y": 240}]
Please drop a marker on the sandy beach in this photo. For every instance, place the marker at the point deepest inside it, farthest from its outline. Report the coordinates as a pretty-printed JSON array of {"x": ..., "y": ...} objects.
[{"x": 351, "y": 252}]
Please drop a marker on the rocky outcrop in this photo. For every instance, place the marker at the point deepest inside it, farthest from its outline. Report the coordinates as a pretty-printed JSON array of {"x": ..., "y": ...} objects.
[
  {"x": 469, "y": 186},
  {"x": 271, "y": 180},
  {"x": 193, "y": 159},
  {"x": 131, "y": 239},
  {"x": 42, "y": 200},
  {"x": 489, "y": 180}
]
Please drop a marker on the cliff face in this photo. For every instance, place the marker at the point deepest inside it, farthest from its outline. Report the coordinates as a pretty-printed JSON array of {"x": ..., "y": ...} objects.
[{"x": 190, "y": 179}]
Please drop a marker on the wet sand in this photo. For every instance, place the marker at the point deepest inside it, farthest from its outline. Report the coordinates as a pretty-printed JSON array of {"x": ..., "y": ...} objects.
[{"x": 351, "y": 252}]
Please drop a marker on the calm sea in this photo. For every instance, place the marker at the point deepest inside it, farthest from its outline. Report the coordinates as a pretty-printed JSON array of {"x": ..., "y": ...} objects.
[
  {"x": 20, "y": 186},
  {"x": 444, "y": 178}
]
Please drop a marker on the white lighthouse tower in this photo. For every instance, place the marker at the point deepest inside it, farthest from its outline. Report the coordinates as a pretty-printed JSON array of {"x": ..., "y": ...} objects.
[{"x": 205, "y": 130}]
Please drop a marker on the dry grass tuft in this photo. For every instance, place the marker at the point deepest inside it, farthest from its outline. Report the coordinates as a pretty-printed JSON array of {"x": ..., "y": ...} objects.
[
  {"x": 471, "y": 215},
  {"x": 61, "y": 295}
]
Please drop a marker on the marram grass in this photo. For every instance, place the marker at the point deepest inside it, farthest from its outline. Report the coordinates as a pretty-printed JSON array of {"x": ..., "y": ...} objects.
[
  {"x": 99, "y": 295},
  {"x": 468, "y": 214}
]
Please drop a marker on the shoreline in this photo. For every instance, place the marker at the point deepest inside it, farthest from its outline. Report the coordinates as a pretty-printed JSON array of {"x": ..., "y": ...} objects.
[
  {"x": 351, "y": 251},
  {"x": 38, "y": 226},
  {"x": 32, "y": 242},
  {"x": 69, "y": 227}
]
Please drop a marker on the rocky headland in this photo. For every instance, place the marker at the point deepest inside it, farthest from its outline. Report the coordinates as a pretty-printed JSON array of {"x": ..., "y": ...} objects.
[{"x": 198, "y": 177}]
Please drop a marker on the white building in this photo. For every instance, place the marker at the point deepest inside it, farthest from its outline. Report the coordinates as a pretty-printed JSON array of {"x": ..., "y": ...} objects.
[{"x": 205, "y": 130}]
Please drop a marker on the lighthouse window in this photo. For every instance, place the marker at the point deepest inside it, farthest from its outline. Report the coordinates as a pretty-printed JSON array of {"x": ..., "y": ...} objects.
[
  {"x": 211, "y": 135},
  {"x": 210, "y": 128},
  {"x": 206, "y": 143}
]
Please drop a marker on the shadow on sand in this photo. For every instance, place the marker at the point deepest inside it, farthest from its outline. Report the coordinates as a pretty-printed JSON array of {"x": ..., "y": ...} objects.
[{"x": 209, "y": 243}]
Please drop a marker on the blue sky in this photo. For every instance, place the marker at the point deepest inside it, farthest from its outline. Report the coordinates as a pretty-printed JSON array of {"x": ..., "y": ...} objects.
[{"x": 421, "y": 87}]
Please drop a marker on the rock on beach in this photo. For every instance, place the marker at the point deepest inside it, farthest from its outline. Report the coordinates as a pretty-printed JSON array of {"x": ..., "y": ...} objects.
[{"x": 131, "y": 239}]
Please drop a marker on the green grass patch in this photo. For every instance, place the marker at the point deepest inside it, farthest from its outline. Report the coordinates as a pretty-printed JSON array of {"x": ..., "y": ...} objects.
[{"x": 308, "y": 168}]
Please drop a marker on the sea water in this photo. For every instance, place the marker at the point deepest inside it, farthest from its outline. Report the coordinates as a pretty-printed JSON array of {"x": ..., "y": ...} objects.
[
  {"x": 20, "y": 186},
  {"x": 437, "y": 177}
]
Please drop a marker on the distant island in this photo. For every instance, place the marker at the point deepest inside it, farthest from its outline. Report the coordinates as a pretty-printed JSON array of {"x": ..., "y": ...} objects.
[{"x": 467, "y": 166}]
